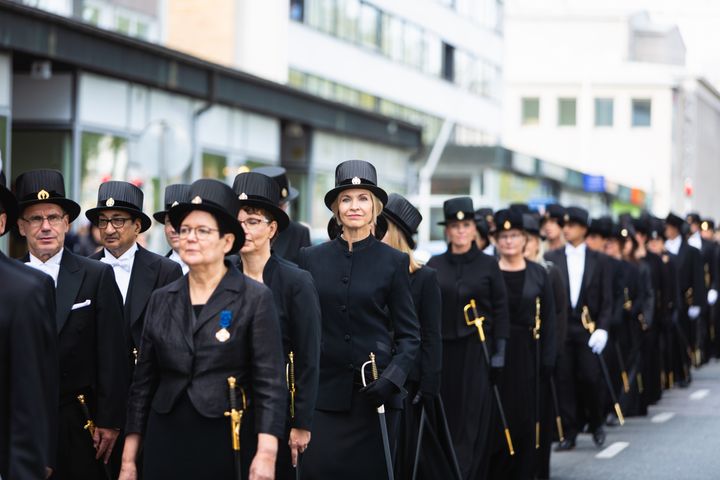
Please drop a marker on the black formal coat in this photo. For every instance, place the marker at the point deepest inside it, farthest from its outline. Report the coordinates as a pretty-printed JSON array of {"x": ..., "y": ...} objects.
[
  {"x": 180, "y": 355},
  {"x": 28, "y": 372},
  {"x": 289, "y": 242},
  {"x": 298, "y": 309},
  {"x": 428, "y": 301},
  {"x": 150, "y": 271},
  {"x": 708, "y": 251},
  {"x": 560, "y": 303},
  {"x": 596, "y": 290},
  {"x": 690, "y": 277},
  {"x": 366, "y": 307}
]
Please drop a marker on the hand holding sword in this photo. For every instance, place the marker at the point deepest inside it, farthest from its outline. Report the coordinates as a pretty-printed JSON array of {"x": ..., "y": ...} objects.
[{"x": 381, "y": 413}]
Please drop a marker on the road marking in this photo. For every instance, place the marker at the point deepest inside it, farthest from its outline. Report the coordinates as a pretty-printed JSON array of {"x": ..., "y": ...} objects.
[
  {"x": 699, "y": 394},
  {"x": 613, "y": 450},
  {"x": 662, "y": 417}
]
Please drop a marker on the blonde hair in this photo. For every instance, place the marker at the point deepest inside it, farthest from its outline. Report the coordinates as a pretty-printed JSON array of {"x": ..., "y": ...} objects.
[
  {"x": 396, "y": 239},
  {"x": 377, "y": 208}
]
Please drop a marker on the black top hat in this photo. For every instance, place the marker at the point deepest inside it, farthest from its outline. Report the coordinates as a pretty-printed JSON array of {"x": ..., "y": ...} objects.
[
  {"x": 486, "y": 213},
  {"x": 219, "y": 200},
  {"x": 656, "y": 228},
  {"x": 8, "y": 203},
  {"x": 124, "y": 196},
  {"x": 508, "y": 219},
  {"x": 355, "y": 174},
  {"x": 174, "y": 194},
  {"x": 279, "y": 174},
  {"x": 334, "y": 229},
  {"x": 621, "y": 232},
  {"x": 556, "y": 212},
  {"x": 404, "y": 215},
  {"x": 693, "y": 218},
  {"x": 521, "y": 207},
  {"x": 459, "y": 208},
  {"x": 44, "y": 186},
  {"x": 576, "y": 215},
  {"x": 675, "y": 221},
  {"x": 531, "y": 223},
  {"x": 707, "y": 224},
  {"x": 601, "y": 226},
  {"x": 258, "y": 190}
]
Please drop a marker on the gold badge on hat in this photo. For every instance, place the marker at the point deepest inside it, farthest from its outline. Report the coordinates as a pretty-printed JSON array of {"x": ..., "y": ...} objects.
[
  {"x": 567, "y": 217},
  {"x": 197, "y": 200},
  {"x": 174, "y": 204},
  {"x": 355, "y": 181},
  {"x": 43, "y": 195},
  {"x": 704, "y": 226},
  {"x": 284, "y": 192},
  {"x": 110, "y": 202},
  {"x": 624, "y": 232},
  {"x": 460, "y": 215},
  {"x": 507, "y": 225},
  {"x": 242, "y": 196}
]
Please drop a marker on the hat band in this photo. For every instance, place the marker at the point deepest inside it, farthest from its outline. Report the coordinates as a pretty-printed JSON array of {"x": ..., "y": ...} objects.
[
  {"x": 116, "y": 204},
  {"x": 43, "y": 195},
  {"x": 356, "y": 181},
  {"x": 259, "y": 198}
]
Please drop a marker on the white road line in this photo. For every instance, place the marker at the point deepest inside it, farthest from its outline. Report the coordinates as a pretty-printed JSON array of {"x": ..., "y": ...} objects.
[
  {"x": 699, "y": 394},
  {"x": 613, "y": 450},
  {"x": 662, "y": 417}
]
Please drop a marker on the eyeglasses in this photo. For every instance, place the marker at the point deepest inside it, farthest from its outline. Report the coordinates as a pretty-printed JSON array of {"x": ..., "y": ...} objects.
[
  {"x": 201, "y": 233},
  {"x": 509, "y": 236},
  {"x": 253, "y": 222},
  {"x": 36, "y": 221},
  {"x": 117, "y": 222}
]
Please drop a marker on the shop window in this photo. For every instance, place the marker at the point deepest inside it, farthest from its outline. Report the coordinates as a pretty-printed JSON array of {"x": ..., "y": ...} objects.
[
  {"x": 214, "y": 166},
  {"x": 104, "y": 157},
  {"x": 450, "y": 185}
]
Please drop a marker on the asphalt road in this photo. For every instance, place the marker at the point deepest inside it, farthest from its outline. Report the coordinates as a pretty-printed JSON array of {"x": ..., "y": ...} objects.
[{"x": 678, "y": 440}]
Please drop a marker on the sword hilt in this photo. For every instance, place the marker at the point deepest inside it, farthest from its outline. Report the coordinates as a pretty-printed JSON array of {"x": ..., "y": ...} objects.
[
  {"x": 627, "y": 304},
  {"x": 373, "y": 367},
  {"x": 558, "y": 423},
  {"x": 235, "y": 414},
  {"x": 536, "y": 329},
  {"x": 537, "y": 435},
  {"x": 689, "y": 299},
  {"x": 625, "y": 380},
  {"x": 291, "y": 382},
  {"x": 477, "y": 320},
  {"x": 509, "y": 441},
  {"x": 586, "y": 320},
  {"x": 89, "y": 424},
  {"x": 135, "y": 354},
  {"x": 619, "y": 414}
]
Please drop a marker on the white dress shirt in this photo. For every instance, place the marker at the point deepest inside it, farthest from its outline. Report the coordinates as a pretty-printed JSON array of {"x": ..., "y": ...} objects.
[
  {"x": 673, "y": 246},
  {"x": 576, "y": 269},
  {"x": 695, "y": 240},
  {"x": 51, "y": 267},
  {"x": 122, "y": 267},
  {"x": 175, "y": 257}
]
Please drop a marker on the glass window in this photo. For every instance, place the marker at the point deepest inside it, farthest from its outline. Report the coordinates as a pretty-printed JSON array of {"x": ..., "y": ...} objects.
[
  {"x": 530, "y": 111},
  {"x": 603, "y": 112},
  {"x": 448, "y": 62},
  {"x": 142, "y": 29},
  {"x": 413, "y": 45},
  {"x": 641, "y": 112},
  {"x": 122, "y": 24},
  {"x": 450, "y": 185},
  {"x": 296, "y": 79},
  {"x": 369, "y": 26},
  {"x": 392, "y": 37},
  {"x": 214, "y": 166},
  {"x": 91, "y": 14},
  {"x": 433, "y": 54},
  {"x": 348, "y": 13},
  {"x": 297, "y": 9},
  {"x": 367, "y": 101},
  {"x": 567, "y": 112},
  {"x": 103, "y": 157},
  {"x": 321, "y": 15}
]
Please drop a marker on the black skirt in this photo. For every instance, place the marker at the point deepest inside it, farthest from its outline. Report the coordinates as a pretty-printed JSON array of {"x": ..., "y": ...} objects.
[{"x": 183, "y": 444}]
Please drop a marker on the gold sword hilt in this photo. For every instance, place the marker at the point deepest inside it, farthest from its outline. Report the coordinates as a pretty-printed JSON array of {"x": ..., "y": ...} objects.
[
  {"x": 373, "y": 367},
  {"x": 509, "y": 441},
  {"x": 625, "y": 381},
  {"x": 235, "y": 414},
  {"x": 89, "y": 425},
  {"x": 135, "y": 354},
  {"x": 536, "y": 329},
  {"x": 689, "y": 296},
  {"x": 291, "y": 382},
  {"x": 627, "y": 304},
  {"x": 477, "y": 320},
  {"x": 587, "y": 322},
  {"x": 707, "y": 276}
]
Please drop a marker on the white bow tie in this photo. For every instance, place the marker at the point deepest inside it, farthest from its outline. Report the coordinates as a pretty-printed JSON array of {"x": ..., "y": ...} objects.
[
  {"x": 123, "y": 263},
  {"x": 52, "y": 269}
]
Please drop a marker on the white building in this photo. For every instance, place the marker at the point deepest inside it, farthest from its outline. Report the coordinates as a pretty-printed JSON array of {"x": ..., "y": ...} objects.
[{"x": 607, "y": 92}]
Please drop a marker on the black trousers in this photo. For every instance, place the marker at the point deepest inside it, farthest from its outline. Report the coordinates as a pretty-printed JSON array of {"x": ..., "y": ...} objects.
[
  {"x": 75, "y": 454},
  {"x": 580, "y": 385}
]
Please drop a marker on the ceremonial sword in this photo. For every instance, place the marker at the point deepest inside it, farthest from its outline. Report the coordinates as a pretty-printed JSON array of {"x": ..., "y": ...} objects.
[
  {"x": 90, "y": 427},
  {"x": 235, "y": 422},
  {"x": 381, "y": 416}
]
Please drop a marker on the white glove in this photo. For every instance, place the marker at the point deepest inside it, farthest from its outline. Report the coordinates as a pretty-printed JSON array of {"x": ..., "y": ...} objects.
[
  {"x": 598, "y": 340},
  {"x": 712, "y": 296},
  {"x": 693, "y": 312}
]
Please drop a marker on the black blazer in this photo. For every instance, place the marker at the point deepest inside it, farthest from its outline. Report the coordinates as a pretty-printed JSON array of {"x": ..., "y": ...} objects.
[
  {"x": 596, "y": 290},
  {"x": 28, "y": 372},
  {"x": 150, "y": 271},
  {"x": 690, "y": 277},
  {"x": 708, "y": 253},
  {"x": 298, "y": 309},
  {"x": 180, "y": 353},
  {"x": 289, "y": 242},
  {"x": 560, "y": 302},
  {"x": 427, "y": 300},
  {"x": 366, "y": 307},
  {"x": 471, "y": 275}
]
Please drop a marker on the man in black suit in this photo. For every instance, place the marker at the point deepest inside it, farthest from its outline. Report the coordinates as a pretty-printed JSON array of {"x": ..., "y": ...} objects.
[
  {"x": 88, "y": 318},
  {"x": 174, "y": 195},
  {"x": 28, "y": 362},
  {"x": 589, "y": 288},
  {"x": 296, "y": 236},
  {"x": 708, "y": 251},
  {"x": 138, "y": 272}
]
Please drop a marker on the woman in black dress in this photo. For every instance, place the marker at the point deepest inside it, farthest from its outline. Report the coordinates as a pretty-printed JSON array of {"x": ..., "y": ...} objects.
[
  {"x": 296, "y": 302},
  {"x": 200, "y": 330},
  {"x": 464, "y": 274},
  {"x": 364, "y": 291},
  {"x": 530, "y": 351}
]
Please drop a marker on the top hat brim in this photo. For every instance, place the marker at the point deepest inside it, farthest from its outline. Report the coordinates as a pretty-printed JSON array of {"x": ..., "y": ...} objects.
[
  {"x": 467, "y": 216},
  {"x": 225, "y": 220},
  {"x": 278, "y": 213},
  {"x": 70, "y": 207},
  {"x": 160, "y": 216},
  {"x": 9, "y": 204},
  {"x": 377, "y": 191},
  {"x": 94, "y": 213},
  {"x": 401, "y": 225},
  {"x": 293, "y": 193}
]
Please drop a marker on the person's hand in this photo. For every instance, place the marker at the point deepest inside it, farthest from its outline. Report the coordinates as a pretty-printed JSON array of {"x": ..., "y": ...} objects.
[
  {"x": 104, "y": 441},
  {"x": 48, "y": 472},
  {"x": 263, "y": 466},
  {"x": 299, "y": 440},
  {"x": 379, "y": 391},
  {"x": 598, "y": 340},
  {"x": 693, "y": 312},
  {"x": 128, "y": 471},
  {"x": 712, "y": 296}
]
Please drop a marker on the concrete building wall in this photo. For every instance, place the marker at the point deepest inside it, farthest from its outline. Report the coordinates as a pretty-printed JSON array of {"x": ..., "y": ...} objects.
[{"x": 204, "y": 29}]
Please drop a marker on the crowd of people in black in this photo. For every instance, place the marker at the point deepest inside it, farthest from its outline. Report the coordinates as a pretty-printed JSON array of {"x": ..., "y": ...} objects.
[{"x": 247, "y": 352}]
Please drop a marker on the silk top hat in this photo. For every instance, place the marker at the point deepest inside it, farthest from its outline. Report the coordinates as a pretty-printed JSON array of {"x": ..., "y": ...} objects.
[
  {"x": 279, "y": 174},
  {"x": 123, "y": 196},
  {"x": 708, "y": 224},
  {"x": 258, "y": 190},
  {"x": 656, "y": 228},
  {"x": 355, "y": 174},
  {"x": 601, "y": 226},
  {"x": 556, "y": 212},
  {"x": 8, "y": 203},
  {"x": 44, "y": 186},
  {"x": 508, "y": 219},
  {"x": 675, "y": 221},
  {"x": 219, "y": 200},
  {"x": 174, "y": 194},
  {"x": 693, "y": 218},
  {"x": 576, "y": 215},
  {"x": 456, "y": 209},
  {"x": 531, "y": 223},
  {"x": 404, "y": 215}
]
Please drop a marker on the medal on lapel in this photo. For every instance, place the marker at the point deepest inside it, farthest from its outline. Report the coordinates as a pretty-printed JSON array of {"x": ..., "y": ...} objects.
[{"x": 225, "y": 320}]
